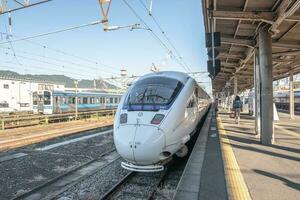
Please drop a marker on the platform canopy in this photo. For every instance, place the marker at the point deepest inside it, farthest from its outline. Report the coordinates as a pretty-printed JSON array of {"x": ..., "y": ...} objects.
[{"x": 238, "y": 21}]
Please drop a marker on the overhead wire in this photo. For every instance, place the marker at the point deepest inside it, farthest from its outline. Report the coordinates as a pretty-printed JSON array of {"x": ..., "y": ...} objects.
[
  {"x": 62, "y": 61},
  {"x": 39, "y": 68},
  {"x": 66, "y": 53},
  {"x": 27, "y": 6},
  {"x": 48, "y": 63},
  {"x": 54, "y": 32},
  {"x": 164, "y": 34},
  {"x": 153, "y": 33}
]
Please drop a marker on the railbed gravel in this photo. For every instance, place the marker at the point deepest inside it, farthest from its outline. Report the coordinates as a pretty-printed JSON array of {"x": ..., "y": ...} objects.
[
  {"x": 25, "y": 173},
  {"x": 94, "y": 186}
]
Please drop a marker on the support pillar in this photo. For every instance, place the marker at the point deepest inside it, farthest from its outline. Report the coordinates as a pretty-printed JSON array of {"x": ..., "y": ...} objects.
[
  {"x": 265, "y": 65},
  {"x": 256, "y": 92},
  {"x": 228, "y": 102},
  {"x": 292, "y": 99},
  {"x": 235, "y": 85}
]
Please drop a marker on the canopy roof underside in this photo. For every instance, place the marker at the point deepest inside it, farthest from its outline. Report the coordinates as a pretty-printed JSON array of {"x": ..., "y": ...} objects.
[{"x": 239, "y": 21}]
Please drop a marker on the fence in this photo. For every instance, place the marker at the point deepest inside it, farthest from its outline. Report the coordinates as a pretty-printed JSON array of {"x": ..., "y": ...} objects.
[{"x": 22, "y": 121}]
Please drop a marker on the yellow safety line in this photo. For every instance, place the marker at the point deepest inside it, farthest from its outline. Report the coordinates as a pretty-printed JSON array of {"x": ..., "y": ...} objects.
[{"x": 236, "y": 186}]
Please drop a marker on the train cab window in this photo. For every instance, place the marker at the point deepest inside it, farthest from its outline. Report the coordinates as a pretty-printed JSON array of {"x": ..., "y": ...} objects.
[
  {"x": 47, "y": 98},
  {"x": 85, "y": 100},
  {"x": 154, "y": 91}
]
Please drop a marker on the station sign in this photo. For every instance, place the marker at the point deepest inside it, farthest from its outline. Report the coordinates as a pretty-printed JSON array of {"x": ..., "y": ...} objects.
[{"x": 212, "y": 42}]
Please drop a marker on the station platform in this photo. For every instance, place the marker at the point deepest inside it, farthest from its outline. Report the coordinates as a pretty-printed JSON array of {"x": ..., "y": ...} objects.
[{"x": 228, "y": 161}]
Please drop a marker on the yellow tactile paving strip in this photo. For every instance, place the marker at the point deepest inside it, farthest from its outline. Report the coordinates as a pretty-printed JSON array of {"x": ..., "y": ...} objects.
[{"x": 236, "y": 186}]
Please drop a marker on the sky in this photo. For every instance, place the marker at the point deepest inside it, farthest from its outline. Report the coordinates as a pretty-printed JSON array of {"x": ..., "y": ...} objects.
[{"x": 96, "y": 53}]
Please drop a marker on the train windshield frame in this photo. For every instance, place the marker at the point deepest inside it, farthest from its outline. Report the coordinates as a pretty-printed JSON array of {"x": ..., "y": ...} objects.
[{"x": 152, "y": 94}]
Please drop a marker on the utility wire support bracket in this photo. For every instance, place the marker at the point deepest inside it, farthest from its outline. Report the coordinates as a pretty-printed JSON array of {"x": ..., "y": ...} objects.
[
  {"x": 105, "y": 11},
  {"x": 150, "y": 7}
]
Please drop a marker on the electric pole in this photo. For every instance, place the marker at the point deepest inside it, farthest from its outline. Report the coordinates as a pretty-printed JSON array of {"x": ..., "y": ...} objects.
[{"x": 76, "y": 99}]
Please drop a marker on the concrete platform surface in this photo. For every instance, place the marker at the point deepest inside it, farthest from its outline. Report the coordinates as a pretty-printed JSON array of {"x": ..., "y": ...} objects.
[
  {"x": 228, "y": 162},
  {"x": 270, "y": 172}
]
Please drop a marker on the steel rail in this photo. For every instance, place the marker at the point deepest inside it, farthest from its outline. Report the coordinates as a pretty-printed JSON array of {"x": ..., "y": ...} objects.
[
  {"x": 117, "y": 185},
  {"x": 59, "y": 177}
]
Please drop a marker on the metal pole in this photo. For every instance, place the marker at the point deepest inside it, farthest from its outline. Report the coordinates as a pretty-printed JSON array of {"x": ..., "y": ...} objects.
[
  {"x": 265, "y": 65},
  {"x": 292, "y": 99},
  {"x": 235, "y": 85},
  {"x": 256, "y": 92},
  {"x": 76, "y": 99},
  {"x": 228, "y": 101}
]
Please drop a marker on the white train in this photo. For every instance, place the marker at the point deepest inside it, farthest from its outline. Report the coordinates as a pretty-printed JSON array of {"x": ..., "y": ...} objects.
[{"x": 156, "y": 117}]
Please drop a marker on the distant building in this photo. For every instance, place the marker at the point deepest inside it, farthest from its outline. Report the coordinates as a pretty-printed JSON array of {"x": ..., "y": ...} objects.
[{"x": 16, "y": 94}]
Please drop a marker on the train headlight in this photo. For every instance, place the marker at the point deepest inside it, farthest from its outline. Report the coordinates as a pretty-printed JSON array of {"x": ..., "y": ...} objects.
[
  {"x": 123, "y": 118},
  {"x": 157, "y": 119}
]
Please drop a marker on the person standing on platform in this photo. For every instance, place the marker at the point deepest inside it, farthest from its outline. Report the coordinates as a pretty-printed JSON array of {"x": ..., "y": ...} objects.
[
  {"x": 237, "y": 105},
  {"x": 216, "y": 105}
]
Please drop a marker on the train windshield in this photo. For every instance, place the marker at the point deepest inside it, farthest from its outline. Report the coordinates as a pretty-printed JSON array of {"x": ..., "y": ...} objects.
[{"x": 153, "y": 93}]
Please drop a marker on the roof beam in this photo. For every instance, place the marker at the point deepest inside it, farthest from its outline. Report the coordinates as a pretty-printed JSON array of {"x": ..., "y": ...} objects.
[
  {"x": 293, "y": 18},
  {"x": 238, "y": 42},
  {"x": 243, "y": 15},
  {"x": 286, "y": 45},
  {"x": 284, "y": 11},
  {"x": 231, "y": 55},
  {"x": 287, "y": 53}
]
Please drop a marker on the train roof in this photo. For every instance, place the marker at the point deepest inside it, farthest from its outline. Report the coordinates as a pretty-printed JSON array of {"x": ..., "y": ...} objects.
[
  {"x": 286, "y": 94},
  {"x": 69, "y": 93},
  {"x": 180, "y": 76}
]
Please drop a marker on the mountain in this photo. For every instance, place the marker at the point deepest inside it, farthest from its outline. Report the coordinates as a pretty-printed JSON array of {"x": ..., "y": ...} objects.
[{"x": 59, "y": 79}]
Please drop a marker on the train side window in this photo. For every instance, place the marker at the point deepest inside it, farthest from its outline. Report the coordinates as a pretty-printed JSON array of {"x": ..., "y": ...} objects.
[
  {"x": 70, "y": 100},
  {"x": 79, "y": 100},
  {"x": 192, "y": 102},
  {"x": 92, "y": 100},
  {"x": 116, "y": 100},
  {"x": 97, "y": 100},
  {"x": 4, "y": 105},
  {"x": 111, "y": 100},
  {"x": 84, "y": 100},
  {"x": 5, "y": 86}
]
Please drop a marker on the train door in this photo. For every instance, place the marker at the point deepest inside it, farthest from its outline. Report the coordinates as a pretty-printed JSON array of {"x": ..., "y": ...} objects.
[
  {"x": 56, "y": 104},
  {"x": 40, "y": 102}
]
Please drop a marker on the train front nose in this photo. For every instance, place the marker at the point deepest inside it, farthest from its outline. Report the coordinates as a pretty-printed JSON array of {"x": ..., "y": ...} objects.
[{"x": 140, "y": 144}]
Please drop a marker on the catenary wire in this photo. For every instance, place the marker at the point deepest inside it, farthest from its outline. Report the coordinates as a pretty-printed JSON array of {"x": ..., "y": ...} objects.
[
  {"x": 165, "y": 35},
  {"x": 153, "y": 33}
]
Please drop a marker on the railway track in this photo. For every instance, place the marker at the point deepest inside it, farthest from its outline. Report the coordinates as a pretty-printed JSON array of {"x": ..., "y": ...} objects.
[
  {"x": 136, "y": 185},
  {"x": 56, "y": 186},
  {"x": 33, "y": 138}
]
